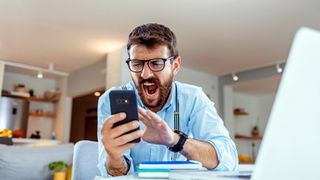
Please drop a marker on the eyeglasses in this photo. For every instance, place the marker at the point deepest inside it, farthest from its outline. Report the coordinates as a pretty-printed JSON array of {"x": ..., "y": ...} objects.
[{"x": 155, "y": 65}]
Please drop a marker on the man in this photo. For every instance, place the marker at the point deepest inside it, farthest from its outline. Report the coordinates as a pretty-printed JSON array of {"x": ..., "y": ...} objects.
[{"x": 153, "y": 62}]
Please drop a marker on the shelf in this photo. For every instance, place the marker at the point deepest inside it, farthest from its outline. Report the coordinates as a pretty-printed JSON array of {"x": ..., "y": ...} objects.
[
  {"x": 250, "y": 138},
  {"x": 246, "y": 162},
  {"x": 44, "y": 115},
  {"x": 32, "y": 98},
  {"x": 240, "y": 113}
]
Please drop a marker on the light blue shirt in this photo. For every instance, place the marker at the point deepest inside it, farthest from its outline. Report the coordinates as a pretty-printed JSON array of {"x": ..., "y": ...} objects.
[{"x": 198, "y": 119}]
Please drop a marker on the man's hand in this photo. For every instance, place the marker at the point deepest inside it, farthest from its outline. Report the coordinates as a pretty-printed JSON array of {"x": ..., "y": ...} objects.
[
  {"x": 156, "y": 130},
  {"x": 116, "y": 143}
]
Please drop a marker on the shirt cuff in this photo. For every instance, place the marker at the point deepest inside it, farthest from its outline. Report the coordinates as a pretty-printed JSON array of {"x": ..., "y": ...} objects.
[
  {"x": 129, "y": 163},
  {"x": 226, "y": 161}
]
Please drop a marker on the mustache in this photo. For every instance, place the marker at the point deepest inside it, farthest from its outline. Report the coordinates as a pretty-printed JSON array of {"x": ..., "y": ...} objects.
[{"x": 149, "y": 80}]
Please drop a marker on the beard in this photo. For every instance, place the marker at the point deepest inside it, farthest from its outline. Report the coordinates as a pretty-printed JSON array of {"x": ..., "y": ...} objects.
[{"x": 163, "y": 88}]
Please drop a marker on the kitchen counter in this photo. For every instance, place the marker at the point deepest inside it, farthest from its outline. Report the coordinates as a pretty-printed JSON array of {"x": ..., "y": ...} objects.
[{"x": 35, "y": 142}]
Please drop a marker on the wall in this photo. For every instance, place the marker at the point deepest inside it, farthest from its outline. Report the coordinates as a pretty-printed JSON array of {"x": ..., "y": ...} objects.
[
  {"x": 31, "y": 82},
  {"x": 259, "y": 108},
  {"x": 229, "y": 105},
  {"x": 263, "y": 109},
  {"x": 125, "y": 72},
  {"x": 208, "y": 82},
  {"x": 247, "y": 75},
  {"x": 115, "y": 63},
  {"x": 61, "y": 124},
  {"x": 87, "y": 79},
  {"x": 2, "y": 67}
]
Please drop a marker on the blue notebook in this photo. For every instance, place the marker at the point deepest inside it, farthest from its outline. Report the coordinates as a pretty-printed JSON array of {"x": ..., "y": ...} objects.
[
  {"x": 170, "y": 165},
  {"x": 153, "y": 173}
]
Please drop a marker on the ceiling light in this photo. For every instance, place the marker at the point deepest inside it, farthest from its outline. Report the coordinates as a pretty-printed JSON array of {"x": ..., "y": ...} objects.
[
  {"x": 40, "y": 75},
  {"x": 108, "y": 46},
  {"x": 235, "y": 77},
  {"x": 97, "y": 94},
  {"x": 279, "y": 68}
]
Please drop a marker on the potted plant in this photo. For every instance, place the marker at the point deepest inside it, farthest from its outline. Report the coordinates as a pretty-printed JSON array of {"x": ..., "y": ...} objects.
[{"x": 60, "y": 170}]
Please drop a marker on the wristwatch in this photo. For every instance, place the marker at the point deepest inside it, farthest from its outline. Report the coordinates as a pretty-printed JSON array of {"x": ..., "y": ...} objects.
[{"x": 179, "y": 146}]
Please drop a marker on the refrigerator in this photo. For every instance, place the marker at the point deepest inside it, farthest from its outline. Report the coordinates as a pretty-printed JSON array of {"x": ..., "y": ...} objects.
[{"x": 14, "y": 114}]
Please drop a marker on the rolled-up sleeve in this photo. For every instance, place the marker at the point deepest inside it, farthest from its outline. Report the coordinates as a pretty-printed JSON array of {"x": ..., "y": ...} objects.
[
  {"x": 103, "y": 113},
  {"x": 206, "y": 125}
]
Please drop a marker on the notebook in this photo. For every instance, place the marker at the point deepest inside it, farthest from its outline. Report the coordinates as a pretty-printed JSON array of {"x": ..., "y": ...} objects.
[
  {"x": 174, "y": 165},
  {"x": 153, "y": 173}
]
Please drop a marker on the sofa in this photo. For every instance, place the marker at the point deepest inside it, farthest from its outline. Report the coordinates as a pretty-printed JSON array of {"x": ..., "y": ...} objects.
[{"x": 27, "y": 162}]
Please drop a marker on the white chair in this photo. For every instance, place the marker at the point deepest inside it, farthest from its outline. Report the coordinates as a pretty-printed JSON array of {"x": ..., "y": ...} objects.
[{"x": 85, "y": 160}]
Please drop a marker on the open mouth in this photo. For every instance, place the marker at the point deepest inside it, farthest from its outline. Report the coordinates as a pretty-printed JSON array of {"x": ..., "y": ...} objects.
[{"x": 150, "y": 89}]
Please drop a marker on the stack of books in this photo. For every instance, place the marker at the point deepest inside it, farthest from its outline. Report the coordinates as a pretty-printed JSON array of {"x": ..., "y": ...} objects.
[{"x": 161, "y": 169}]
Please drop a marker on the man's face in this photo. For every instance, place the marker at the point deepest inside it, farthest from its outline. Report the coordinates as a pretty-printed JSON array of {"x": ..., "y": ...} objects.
[{"x": 153, "y": 87}]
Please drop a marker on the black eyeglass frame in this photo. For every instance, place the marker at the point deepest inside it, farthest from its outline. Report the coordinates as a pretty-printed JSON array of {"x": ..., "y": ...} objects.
[{"x": 171, "y": 58}]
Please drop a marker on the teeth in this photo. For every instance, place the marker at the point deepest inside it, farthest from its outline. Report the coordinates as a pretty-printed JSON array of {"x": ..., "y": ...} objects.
[{"x": 148, "y": 84}]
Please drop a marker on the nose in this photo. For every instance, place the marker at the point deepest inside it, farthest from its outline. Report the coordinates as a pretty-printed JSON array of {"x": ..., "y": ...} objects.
[{"x": 146, "y": 72}]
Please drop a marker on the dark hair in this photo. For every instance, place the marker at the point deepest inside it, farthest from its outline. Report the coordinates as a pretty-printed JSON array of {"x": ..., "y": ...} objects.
[{"x": 152, "y": 35}]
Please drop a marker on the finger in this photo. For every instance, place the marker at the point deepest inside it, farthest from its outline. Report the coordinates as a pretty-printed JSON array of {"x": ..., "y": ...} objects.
[
  {"x": 108, "y": 123},
  {"x": 157, "y": 121},
  {"x": 140, "y": 109},
  {"x": 153, "y": 116},
  {"x": 144, "y": 113},
  {"x": 144, "y": 117},
  {"x": 144, "y": 120},
  {"x": 124, "y": 139},
  {"x": 119, "y": 130},
  {"x": 127, "y": 146}
]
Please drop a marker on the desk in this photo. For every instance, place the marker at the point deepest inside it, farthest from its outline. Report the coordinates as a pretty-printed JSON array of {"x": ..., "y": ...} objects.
[{"x": 244, "y": 169}]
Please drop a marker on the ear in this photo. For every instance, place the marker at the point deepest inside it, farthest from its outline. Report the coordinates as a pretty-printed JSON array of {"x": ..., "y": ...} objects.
[{"x": 176, "y": 65}]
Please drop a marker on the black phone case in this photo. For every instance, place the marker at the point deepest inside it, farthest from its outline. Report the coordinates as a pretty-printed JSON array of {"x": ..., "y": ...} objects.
[{"x": 124, "y": 101}]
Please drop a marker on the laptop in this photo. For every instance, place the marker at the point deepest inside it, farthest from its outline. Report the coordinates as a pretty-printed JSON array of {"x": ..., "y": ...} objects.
[{"x": 291, "y": 145}]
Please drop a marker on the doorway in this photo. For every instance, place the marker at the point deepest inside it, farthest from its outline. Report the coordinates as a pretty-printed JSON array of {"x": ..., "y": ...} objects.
[{"x": 84, "y": 117}]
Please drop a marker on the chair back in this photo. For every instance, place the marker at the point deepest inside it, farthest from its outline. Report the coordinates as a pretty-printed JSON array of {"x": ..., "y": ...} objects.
[{"x": 85, "y": 160}]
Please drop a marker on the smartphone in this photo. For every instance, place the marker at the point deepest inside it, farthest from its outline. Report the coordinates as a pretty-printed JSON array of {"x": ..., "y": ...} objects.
[{"x": 124, "y": 101}]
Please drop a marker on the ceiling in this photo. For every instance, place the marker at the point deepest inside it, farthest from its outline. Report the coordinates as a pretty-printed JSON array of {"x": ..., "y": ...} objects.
[
  {"x": 258, "y": 87},
  {"x": 214, "y": 36}
]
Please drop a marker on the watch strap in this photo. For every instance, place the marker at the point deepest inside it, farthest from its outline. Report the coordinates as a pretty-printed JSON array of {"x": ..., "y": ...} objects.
[{"x": 182, "y": 140}]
